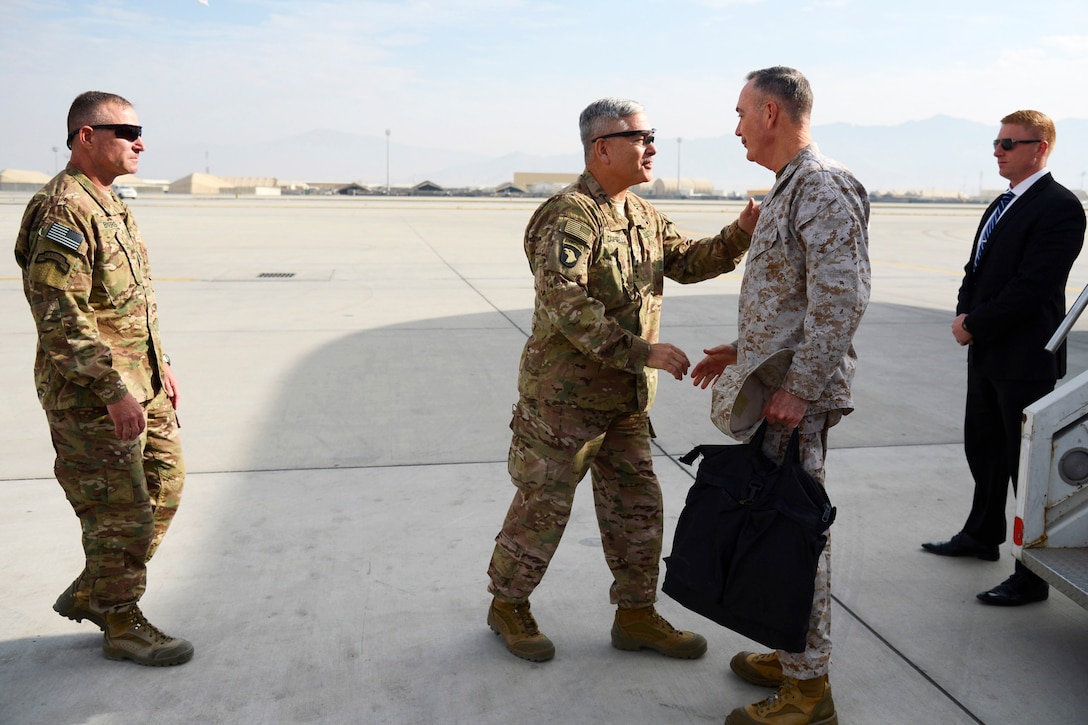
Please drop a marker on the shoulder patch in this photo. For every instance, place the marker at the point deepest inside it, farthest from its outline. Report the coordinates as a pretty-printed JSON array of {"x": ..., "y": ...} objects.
[
  {"x": 570, "y": 254},
  {"x": 50, "y": 256},
  {"x": 64, "y": 236},
  {"x": 578, "y": 230}
]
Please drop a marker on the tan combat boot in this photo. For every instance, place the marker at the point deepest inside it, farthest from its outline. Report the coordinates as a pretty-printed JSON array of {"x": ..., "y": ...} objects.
[
  {"x": 634, "y": 629},
  {"x": 515, "y": 624},
  {"x": 759, "y": 669},
  {"x": 75, "y": 604},
  {"x": 130, "y": 636},
  {"x": 796, "y": 702}
]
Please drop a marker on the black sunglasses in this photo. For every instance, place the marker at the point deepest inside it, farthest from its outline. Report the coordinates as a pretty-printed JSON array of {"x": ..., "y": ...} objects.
[
  {"x": 125, "y": 131},
  {"x": 1008, "y": 143},
  {"x": 647, "y": 136}
]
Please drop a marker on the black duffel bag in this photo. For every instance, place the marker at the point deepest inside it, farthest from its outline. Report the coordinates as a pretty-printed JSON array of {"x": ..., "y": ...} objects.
[{"x": 748, "y": 542}]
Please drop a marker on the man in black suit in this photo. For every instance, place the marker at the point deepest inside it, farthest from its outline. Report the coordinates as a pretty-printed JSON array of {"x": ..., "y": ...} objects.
[{"x": 1010, "y": 302}]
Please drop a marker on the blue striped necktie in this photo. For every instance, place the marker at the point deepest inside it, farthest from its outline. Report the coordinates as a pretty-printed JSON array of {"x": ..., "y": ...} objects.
[{"x": 1001, "y": 204}]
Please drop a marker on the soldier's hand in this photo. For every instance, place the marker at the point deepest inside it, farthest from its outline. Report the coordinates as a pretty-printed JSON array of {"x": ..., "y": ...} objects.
[
  {"x": 785, "y": 408},
  {"x": 170, "y": 385},
  {"x": 711, "y": 367},
  {"x": 669, "y": 358},
  {"x": 128, "y": 417},
  {"x": 749, "y": 216}
]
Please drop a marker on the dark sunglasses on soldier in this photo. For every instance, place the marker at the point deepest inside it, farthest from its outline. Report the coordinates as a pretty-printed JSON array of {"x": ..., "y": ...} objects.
[
  {"x": 1009, "y": 143},
  {"x": 125, "y": 131},
  {"x": 647, "y": 136}
]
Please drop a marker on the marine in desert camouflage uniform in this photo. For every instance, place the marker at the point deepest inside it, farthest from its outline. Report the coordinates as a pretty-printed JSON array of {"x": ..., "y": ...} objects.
[
  {"x": 806, "y": 286},
  {"x": 587, "y": 379},
  {"x": 101, "y": 376}
]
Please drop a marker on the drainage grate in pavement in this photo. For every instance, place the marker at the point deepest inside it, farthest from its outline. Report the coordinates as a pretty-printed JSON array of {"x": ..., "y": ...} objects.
[{"x": 303, "y": 274}]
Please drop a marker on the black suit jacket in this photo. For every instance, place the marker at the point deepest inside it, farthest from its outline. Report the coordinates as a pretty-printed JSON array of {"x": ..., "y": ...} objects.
[{"x": 1016, "y": 298}]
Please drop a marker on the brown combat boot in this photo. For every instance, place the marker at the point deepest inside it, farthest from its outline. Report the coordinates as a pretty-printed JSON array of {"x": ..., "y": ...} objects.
[
  {"x": 129, "y": 636},
  {"x": 75, "y": 604},
  {"x": 796, "y": 702},
  {"x": 759, "y": 669},
  {"x": 634, "y": 629},
  {"x": 515, "y": 624}
]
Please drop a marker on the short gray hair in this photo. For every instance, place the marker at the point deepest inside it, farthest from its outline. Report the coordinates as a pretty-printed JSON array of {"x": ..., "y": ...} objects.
[
  {"x": 596, "y": 116},
  {"x": 789, "y": 87}
]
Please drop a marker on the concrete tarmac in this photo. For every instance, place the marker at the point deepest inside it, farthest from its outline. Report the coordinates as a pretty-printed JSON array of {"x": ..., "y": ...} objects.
[{"x": 347, "y": 369}]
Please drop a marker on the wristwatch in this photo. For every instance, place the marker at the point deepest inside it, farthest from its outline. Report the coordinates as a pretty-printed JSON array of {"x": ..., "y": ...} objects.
[{"x": 166, "y": 358}]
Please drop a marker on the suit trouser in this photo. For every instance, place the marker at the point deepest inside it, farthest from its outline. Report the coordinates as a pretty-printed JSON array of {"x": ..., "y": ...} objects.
[
  {"x": 553, "y": 447},
  {"x": 816, "y": 658},
  {"x": 125, "y": 493},
  {"x": 991, "y": 443}
]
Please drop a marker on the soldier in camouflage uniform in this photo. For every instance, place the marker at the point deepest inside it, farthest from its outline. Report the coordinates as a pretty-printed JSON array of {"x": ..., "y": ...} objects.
[
  {"x": 588, "y": 374},
  {"x": 102, "y": 377},
  {"x": 806, "y": 285}
]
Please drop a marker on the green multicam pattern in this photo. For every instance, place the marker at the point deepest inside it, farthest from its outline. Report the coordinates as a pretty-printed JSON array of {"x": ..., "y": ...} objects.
[
  {"x": 599, "y": 278},
  {"x": 553, "y": 447},
  {"x": 86, "y": 277},
  {"x": 807, "y": 279},
  {"x": 125, "y": 493},
  {"x": 585, "y": 390},
  {"x": 94, "y": 306}
]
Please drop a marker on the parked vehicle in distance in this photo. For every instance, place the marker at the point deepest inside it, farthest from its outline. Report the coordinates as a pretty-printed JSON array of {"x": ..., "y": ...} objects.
[{"x": 125, "y": 192}]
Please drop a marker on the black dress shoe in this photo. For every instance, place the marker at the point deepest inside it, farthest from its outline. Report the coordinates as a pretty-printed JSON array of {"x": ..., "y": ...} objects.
[
  {"x": 963, "y": 545},
  {"x": 1018, "y": 589}
]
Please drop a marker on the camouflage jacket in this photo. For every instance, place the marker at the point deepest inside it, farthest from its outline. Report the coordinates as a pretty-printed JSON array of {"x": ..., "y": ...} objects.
[
  {"x": 599, "y": 276},
  {"x": 86, "y": 277},
  {"x": 807, "y": 279}
]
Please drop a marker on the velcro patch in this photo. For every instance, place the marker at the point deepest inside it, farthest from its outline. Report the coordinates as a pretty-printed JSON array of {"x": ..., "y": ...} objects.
[
  {"x": 570, "y": 254},
  {"x": 578, "y": 230},
  {"x": 64, "y": 236},
  {"x": 55, "y": 258}
]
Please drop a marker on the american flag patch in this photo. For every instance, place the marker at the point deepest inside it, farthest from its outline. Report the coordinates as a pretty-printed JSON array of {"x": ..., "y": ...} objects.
[{"x": 64, "y": 236}]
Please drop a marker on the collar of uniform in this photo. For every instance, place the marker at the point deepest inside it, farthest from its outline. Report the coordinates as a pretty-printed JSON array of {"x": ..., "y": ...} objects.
[
  {"x": 786, "y": 172},
  {"x": 620, "y": 221},
  {"x": 103, "y": 198}
]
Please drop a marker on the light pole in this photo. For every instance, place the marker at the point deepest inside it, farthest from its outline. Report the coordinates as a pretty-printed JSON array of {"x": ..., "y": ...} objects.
[
  {"x": 387, "y": 132},
  {"x": 678, "y": 140},
  {"x": 55, "y": 169}
]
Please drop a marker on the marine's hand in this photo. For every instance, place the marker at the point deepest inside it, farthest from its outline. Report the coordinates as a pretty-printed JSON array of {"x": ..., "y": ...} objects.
[
  {"x": 669, "y": 358},
  {"x": 128, "y": 418},
  {"x": 785, "y": 408},
  {"x": 962, "y": 336},
  {"x": 749, "y": 216},
  {"x": 711, "y": 367},
  {"x": 170, "y": 385}
]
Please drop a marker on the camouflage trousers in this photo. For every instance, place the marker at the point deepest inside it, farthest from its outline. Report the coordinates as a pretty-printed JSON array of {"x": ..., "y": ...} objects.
[
  {"x": 552, "y": 448},
  {"x": 816, "y": 658},
  {"x": 125, "y": 493}
]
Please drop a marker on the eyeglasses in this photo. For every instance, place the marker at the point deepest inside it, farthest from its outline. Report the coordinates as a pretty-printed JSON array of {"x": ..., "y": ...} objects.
[
  {"x": 646, "y": 140},
  {"x": 1008, "y": 143},
  {"x": 125, "y": 131}
]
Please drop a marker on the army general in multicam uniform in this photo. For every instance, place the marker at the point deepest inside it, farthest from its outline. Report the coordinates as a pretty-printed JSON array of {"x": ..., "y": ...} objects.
[
  {"x": 806, "y": 286},
  {"x": 106, "y": 386},
  {"x": 588, "y": 375}
]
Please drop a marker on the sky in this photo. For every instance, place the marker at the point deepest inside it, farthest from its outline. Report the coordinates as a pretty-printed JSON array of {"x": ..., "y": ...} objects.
[{"x": 502, "y": 76}]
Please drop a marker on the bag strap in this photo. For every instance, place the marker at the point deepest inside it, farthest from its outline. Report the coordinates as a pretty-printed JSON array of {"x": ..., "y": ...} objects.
[{"x": 793, "y": 448}]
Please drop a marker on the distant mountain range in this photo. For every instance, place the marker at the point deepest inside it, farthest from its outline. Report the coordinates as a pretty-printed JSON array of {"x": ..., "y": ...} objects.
[{"x": 937, "y": 154}]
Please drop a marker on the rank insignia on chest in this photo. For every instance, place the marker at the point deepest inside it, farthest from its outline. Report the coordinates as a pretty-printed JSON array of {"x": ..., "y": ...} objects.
[{"x": 64, "y": 236}]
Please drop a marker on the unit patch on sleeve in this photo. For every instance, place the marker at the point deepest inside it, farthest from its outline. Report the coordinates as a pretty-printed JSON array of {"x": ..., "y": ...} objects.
[
  {"x": 570, "y": 254},
  {"x": 55, "y": 258},
  {"x": 572, "y": 251},
  {"x": 64, "y": 236}
]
